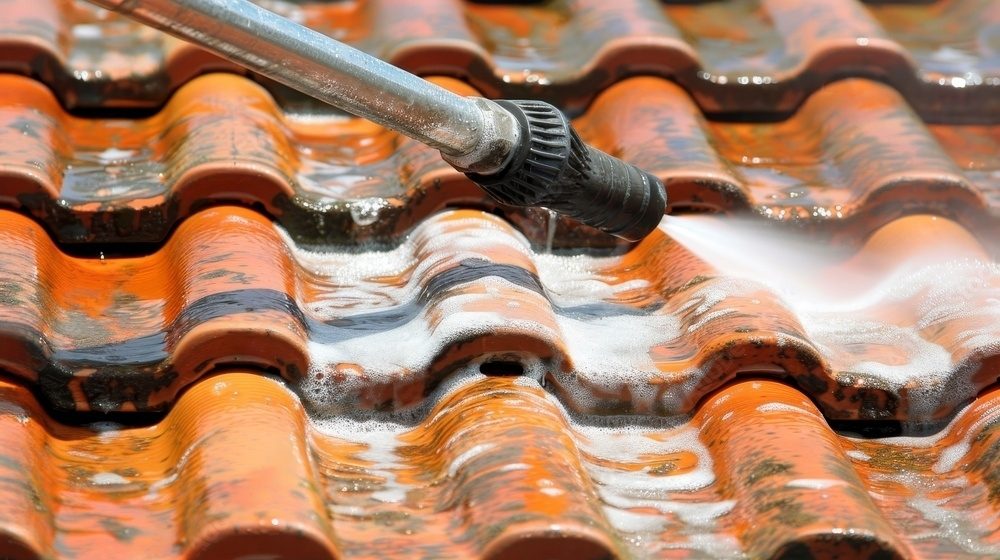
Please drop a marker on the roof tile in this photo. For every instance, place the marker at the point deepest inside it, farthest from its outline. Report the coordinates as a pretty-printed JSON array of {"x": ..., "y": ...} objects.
[
  {"x": 345, "y": 180},
  {"x": 97, "y": 333},
  {"x": 761, "y": 56},
  {"x": 493, "y": 469},
  {"x": 324, "y": 342}
]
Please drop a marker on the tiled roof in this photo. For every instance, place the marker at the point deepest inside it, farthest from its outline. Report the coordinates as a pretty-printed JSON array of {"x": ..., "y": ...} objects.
[
  {"x": 746, "y": 55},
  {"x": 235, "y": 326},
  {"x": 131, "y": 180},
  {"x": 104, "y": 335},
  {"x": 494, "y": 468}
]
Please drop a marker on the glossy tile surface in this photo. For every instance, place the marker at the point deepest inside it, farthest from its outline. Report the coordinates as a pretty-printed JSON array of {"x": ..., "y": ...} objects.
[
  {"x": 235, "y": 325},
  {"x": 494, "y": 468},
  {"x": 763, "y": 56},
  {"x": 378, "y": 330},
  {"x": 222, "y": 139}
]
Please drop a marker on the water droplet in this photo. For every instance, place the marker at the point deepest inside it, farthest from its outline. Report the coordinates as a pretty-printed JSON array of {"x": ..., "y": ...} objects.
[
  {"x": 551, "y": 231},
  {"x": 365, "y": 211}
]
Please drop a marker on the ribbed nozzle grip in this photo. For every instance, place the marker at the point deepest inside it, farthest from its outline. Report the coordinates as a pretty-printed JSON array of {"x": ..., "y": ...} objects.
[{"x": 553, "y": 168}]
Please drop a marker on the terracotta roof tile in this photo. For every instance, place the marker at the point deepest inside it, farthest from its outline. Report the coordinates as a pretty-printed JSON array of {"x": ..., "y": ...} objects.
[
  {"x": 749, "y": 55},
  {"x": 323, "y": 342},
  {"x": 345, "y": 179},
  {"x": 494, "y": 469},
  {"x": 99, "y": 333}
]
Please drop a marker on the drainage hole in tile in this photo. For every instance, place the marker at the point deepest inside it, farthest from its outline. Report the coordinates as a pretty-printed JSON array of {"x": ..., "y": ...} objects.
[{"x": 502, "y": 368}]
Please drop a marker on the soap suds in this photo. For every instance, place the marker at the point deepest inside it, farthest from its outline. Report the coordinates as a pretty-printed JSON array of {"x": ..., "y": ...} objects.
[
  {"x": 815, "y": 483},
  {"x": 951, "y": 456},
  {"x": 863, "y": 335},
  {"x": 858, "y": 455},
  {"x": 632, "y": 522},
  {"x": 108, "y": 479},
  {"x": 969, "y": 530}
]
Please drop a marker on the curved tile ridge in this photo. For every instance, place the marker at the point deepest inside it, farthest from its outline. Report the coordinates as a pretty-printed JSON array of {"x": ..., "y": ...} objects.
[
  {"x": 492, "y": 467},
  {"x": 225, "y": 480},
  {"x": 854, "y": 154},
  {"x": 501, "y": 452},
  {"x": 754, "y": 55},
  {"x": 222, "y": 139},
  {"x": 941, "y": 489},
  {"x": 131, "y": 180},
  {"x": 648, "y": 333}
]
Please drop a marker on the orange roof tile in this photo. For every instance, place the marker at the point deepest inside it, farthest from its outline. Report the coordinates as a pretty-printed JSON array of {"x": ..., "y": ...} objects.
[
  {"x": 762, "y": 56},
  {"x": 233, "y": 325},
  {"x": 229, "y": 289},
  {"x": 345, "y": 179},
  {"x": 494, "y": 469}
]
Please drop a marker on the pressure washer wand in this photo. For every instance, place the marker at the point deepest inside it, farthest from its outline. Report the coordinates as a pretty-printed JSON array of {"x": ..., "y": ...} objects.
[{"x": 523, "y": 153}]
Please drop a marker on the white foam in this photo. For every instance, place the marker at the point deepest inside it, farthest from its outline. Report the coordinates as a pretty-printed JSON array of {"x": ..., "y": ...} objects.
[
  {"x": 815, "y": 483},
  {"x": 620, "y": 487},
  {"x": 720, "y": 546},
  {"x": 621, "y": 442},
  {"x": 411, "y": 347},
  {"x": 951, "y": 455},
  {"x": 939, "y": 285},
  {"x": 693, "y": 514},
  {"x": 626, "y": 489},
  {"x": 627, "y": 521},
  {"x": 622, "y": 360},
  {"x": 427, "y": 247},
  {"x": 620, "y": 356},
  {"x": 106, "y": 431},
  {"x": 108, "y": 479},
  {"x": 858, "y": 455},
  {"x": 381, "y": 439},
  {"x": 613, "y": 352},
  {"x": 709, "y": 317},
  {"x": 114, "y": 155},
  {"x": 968, "y": 529},
  {"x": 617, "y": 360},
  {"x": 87, "y": 31},
  {"x": 923, "y": 366},
  {"x": 938, "y": 294},
  {"x": 349, "y": 283},
  {"x": 578, "y": 279}
]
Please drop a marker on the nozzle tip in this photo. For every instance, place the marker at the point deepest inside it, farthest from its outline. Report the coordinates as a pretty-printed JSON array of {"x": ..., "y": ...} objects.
[{"x": 554, "y": 168}]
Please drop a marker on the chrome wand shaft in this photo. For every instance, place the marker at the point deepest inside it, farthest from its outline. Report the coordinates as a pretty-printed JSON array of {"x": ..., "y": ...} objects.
[{"x": 523, "y": 153}]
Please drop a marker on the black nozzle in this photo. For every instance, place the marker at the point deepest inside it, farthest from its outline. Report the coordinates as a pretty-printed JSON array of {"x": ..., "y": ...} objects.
[{"x": 553, "y": 168}]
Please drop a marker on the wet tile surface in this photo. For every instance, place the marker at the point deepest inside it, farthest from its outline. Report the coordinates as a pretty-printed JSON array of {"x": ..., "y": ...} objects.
[
  {"x": 345, "y": 180},
  {"x": 647, "y": 333},
  {"x": 495, "y": 468},
  {"x": 233, "y": 325},
  {"x": 762, "y": 56}
]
